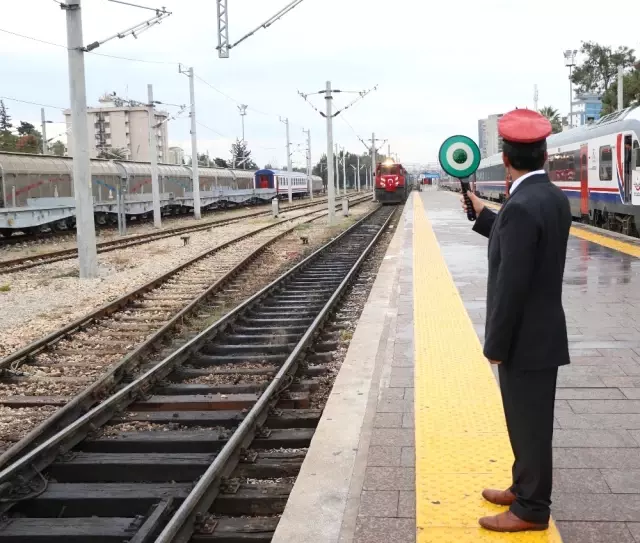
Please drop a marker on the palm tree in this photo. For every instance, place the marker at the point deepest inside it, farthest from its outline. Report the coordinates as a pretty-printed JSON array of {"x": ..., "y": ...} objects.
[{"x": 554, "y": 118}]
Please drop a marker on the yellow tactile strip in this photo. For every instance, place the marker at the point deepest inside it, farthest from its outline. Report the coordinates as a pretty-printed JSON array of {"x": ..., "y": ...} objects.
[
  {"x": 461, "y": 437},
  {"x": 594, "y": 237}
]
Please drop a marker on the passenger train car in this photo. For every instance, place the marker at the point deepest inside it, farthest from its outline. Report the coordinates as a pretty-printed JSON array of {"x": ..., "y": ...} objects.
[
  {"x": 36, "y": 191},
  {"x": 596, "y": 165},
  {"x": 392, "y": 183},
  {"x": 280, "y": 180}
]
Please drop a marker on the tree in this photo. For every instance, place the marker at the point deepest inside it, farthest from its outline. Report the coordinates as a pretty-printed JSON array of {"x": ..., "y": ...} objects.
[
  {"x": 630, "y": 90},
  {"x": 5, "y": 118},
  {"x": 241, "y": 156},
  {"x": 29, "y": 139},
  {"x": 26, "y": 128},
  {"x": 58, "y": 148},
  {"x": 268, "y": 166},
  {"x": 28, "y": 144},
  {"x": 7, "y": 139},
  {"x": 220, "y": 162},
  {"x": 600, "y": 67},
  {"x": 554, "y": 118},
  {"x": 204, "y": 160}
]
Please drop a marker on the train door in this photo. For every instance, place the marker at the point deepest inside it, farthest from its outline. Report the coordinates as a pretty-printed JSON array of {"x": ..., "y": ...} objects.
[
  {"x": 635, "y": 173},
  {"x": 584, "y": 180},
  {"x": 627, "y": 167}
]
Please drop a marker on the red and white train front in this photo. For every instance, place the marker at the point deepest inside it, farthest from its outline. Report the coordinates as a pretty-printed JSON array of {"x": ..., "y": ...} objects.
[{"x": 391, "y": 182}]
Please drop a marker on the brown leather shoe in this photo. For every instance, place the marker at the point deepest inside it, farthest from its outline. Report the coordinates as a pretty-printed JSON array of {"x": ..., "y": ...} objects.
[
  {"x": 499, "y": 497},
  {"x": 508, "y": 522}
]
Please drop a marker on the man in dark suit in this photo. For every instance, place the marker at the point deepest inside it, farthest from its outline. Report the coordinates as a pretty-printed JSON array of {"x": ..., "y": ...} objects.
[{"x": 526, "y": 333}]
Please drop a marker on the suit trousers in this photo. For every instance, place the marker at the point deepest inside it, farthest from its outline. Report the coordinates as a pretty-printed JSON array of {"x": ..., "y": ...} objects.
[{"x": 528, "y": 398}]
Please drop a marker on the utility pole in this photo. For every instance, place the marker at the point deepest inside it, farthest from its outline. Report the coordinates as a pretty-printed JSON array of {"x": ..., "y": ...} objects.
[
  {"x": 44, "y": 133},
  {"x": 344, "y": 172},
  {"x": 373, "y": 164},
  {"x": 309, "y": 168},
  {"x": 286, "y": 123},
  {"x": 243, "y": 113},
  {"x": 330, "y": 185},
  {"x": 535, "y": 97},
  {"x": 570, "y": 62},
  {"x": 153, "y": 159},
  {"x": 329, "y": 115},
  {"x": 337, "y": 171},
  {"x": 358, "y": 174},
  {"x": 195, "y": 167},
  {"x": 85, "y": 226},
  {"x": 620, "y": 88}
]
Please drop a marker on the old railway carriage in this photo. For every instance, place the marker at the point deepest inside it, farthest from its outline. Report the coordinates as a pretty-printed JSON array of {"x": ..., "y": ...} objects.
[
  {"x": 36, "y": 191},
  {"x": 596, "y": 165},
  {"x": 280, "y": 180}
]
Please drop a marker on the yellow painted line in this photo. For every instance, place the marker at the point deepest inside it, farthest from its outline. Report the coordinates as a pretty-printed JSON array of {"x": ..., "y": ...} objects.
[
  {"x": 593, "y": 237},
  {"x": 461, "y": 436}
]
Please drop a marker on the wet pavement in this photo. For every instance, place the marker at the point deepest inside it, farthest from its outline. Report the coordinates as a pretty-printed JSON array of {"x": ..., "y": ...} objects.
[{"x": 597, "y": 436}]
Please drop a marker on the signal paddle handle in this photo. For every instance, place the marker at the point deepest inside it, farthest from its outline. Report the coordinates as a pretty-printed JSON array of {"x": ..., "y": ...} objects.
[{"x": 471, "y": 212}]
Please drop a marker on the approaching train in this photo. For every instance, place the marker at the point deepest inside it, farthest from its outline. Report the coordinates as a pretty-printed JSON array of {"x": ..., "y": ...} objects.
[
  {"x": 392, "y": 183},
  {"x": 36, "y": 191},
  {"x": 280, "y": 180},
  {"x": 596, "y": 165}
]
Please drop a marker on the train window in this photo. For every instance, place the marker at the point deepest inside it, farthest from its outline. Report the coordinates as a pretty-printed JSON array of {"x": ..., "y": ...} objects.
[
  {"x": 636, "y": 146},
  {"x": 606, "y": 163}
]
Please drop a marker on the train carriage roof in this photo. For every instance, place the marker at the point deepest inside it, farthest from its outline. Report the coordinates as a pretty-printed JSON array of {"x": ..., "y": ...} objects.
[
  {"x": 29, "y": 164},
  {"x": 224, "y": 173},
  {"x": 626, "y": 120},
  {"x": 164, "y": 170},
  {"x": 23, "y": 164}
]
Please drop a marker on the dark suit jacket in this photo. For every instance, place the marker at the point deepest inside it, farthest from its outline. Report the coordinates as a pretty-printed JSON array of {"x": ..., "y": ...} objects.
[{"x": 526, "y": 326}]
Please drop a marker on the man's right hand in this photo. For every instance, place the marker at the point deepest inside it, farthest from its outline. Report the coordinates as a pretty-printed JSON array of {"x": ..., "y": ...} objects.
[{"x": 478, "y": 206}]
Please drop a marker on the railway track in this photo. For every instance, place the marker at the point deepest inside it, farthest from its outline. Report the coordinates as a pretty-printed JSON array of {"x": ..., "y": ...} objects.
[
  {"x": 49, "y": 257},
  {"x": 17, "y": 239},
  {"x": 207, "y": 423},
  {"x": 55, "y": 379}
]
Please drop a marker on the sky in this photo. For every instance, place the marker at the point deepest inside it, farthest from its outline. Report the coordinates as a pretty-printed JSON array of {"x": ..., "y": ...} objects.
[{"x": 438, "y": 66}]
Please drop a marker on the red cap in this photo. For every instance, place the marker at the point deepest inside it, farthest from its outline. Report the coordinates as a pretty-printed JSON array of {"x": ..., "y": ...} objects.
[{"x": 524, "y": 126}]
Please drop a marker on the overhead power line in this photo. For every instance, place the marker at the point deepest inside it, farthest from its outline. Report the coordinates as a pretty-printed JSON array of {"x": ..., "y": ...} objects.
[{"x": 32, "y": 103}]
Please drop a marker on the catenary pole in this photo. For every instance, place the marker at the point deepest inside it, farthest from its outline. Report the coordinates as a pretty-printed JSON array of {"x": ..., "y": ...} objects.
[
  {"x": 309, "y": 168},
  {"x": 337, "y": 179},
  {"x": 195, "y": 169},
  {"x": 330, "y": 181},
  {"x": 44, "y": 132},
  {"x": 344, "y": 172},
  {"x": 85, "y": 226},
  {"x": 153, "y": 159},
  {"x": 373, "y": 165},
  {"x": 290, "y": 182}
]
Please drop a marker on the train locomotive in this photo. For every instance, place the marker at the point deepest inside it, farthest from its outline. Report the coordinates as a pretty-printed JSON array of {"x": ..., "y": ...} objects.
[
  {"x": 597, "y": 166},
  {"x": 392, "y": 182},
  {"x": 37, "y": 195}
]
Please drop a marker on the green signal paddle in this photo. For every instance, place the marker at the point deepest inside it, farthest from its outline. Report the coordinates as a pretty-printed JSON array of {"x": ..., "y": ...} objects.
[{"x": 459, "y": 157}]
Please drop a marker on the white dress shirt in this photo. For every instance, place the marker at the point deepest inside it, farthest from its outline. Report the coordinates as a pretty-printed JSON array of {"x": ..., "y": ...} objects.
[{"x": 520, "y": 179}]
